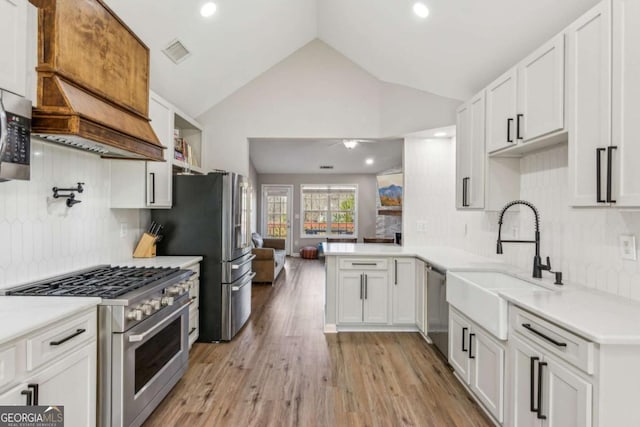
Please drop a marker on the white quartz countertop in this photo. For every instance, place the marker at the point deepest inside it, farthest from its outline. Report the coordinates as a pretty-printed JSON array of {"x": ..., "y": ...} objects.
[
  {"x": 441, "y": 257},
  {"x": 596, "y": 315},
  {"x": 160, "y": 261},
  {"x": 20, "y": 316}
]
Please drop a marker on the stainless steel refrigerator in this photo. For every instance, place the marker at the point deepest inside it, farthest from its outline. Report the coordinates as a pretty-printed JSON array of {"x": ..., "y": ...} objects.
[{"x": 210, "y": 217}]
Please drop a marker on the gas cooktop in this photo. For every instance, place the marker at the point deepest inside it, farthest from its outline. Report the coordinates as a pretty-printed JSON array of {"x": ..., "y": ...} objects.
[{"x": 102, "y": 281}]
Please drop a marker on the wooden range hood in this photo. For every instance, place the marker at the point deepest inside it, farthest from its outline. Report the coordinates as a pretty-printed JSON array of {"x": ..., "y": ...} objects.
[{"x": 93, "y": 82}]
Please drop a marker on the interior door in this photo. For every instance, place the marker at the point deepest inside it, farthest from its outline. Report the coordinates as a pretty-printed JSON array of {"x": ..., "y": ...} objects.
[{"x": 277, "y": 213}]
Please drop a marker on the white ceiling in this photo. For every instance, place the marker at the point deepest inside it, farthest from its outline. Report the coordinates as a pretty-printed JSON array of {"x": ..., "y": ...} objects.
[
  {"x": 457, "y": 50},
  {"x": 304, "y": 156}
]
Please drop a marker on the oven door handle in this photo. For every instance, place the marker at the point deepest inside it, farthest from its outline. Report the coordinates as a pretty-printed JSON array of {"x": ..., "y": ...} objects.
[
  {"x": 247, "y": 261},
  {"x": 245, "y": 283},
  {"x": 159, "y": 325}
]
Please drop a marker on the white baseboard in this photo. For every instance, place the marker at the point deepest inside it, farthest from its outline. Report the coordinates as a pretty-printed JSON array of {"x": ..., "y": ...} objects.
[
  {"x": 375, "y": 328},
  {"x": 295, "y": 254},
  {"x": 330, "y": 328}
]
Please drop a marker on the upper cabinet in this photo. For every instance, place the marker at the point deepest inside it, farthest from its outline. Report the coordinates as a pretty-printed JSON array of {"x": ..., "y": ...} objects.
[
  {"x": 589, "y": 103},
  {"x": 13, "y": 45},
  {"x": 148, "y": 185},
  {"x": 470, "y": 154},
  {"x": 502, "y": 106},
  {"x": 604, "y": 106},
  {"x": 527, "y": 102}
]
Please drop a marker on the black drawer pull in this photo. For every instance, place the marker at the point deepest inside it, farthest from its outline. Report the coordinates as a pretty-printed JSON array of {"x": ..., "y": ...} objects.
[
  {"x": 599, "y": 198},
  {"x": 35, "y": 389},
  {"x": 29, "y": 394},
  {"x": 539, "y": 409},
  {"x": 65, "y": 339},
  {"x": 471, "y": 356},
  {"x": 464, "y": 338},
  {"x": 540, "y": 334},
  {"x": 370, "y": 264},
  {"x": 192, "y": 330},
  {"x": 532, "y": 405}
]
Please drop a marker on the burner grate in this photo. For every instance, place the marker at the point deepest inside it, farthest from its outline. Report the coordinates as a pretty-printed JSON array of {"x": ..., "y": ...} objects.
[{"x": 104, "y": 282}]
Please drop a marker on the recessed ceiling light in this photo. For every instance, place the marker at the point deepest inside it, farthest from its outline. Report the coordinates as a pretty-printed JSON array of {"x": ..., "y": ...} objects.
[
  {"x": 350, "y": 143},
  {"x": 369, "y": 161},
  {"x": 421, "y": 10},
  {"x": 440, "y": 134},
  {"x": 208, "y": 9}
]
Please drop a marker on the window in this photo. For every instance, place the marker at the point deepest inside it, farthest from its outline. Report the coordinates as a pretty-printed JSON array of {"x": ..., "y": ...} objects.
[{"x": 329, "y": 210}]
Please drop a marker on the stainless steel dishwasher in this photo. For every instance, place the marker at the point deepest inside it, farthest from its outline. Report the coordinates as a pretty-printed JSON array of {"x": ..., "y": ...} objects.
[{"x": 438, "y": 309}]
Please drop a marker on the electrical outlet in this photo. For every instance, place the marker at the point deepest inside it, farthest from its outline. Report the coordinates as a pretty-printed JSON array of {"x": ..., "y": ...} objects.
[
  {"x": 628, "y": 247},
  {"x": 123, "y": 230}
]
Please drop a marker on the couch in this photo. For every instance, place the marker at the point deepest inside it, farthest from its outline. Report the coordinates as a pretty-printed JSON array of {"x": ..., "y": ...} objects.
[{"x": 270, "y": 258}]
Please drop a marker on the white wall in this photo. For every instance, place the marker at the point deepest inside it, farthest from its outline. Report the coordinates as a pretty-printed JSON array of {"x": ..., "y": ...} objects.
[
  {"x": 582, "y": 243},
  {"x": 41, "y": 237},
  {"x": 316, "y": 93},
  {"x": 255, "y": 192}
]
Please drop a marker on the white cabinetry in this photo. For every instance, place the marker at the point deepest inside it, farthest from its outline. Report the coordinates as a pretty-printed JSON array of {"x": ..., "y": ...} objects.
[
  {"x": 55, "y": 366},
  {"x": 604, "y": 105},
  {"x": 148, "y": 185},
  {"x": 470, "y": 153},
  {"x": 194, "y": 308},
  {"x": 589, "y": 102},
  {"x": 478, "y": 360},
  {"x": 545, "y": 389},
  {"x": 363, "y": 294},
  {"x": 421, "y": 293},
  {"x": 502, "y": 105},
  {"x": 13, "y": 45},
  {"x": 404, "y": 291},
  {"x": 541, "y": 92},
  {"x": 625, "y": 176}
]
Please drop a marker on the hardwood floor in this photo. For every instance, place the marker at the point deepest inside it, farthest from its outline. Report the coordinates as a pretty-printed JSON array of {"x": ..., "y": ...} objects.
[{"x": 282, "y": 370}]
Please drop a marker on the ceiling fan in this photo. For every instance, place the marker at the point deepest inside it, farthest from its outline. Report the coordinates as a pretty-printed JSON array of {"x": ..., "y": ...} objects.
[{"x": 352, "y": 143}]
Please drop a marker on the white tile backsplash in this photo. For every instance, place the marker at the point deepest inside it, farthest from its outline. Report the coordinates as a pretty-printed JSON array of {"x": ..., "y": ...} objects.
[
  {"x": 582, "y": 242},
  {"x": 41, "y": 237}
]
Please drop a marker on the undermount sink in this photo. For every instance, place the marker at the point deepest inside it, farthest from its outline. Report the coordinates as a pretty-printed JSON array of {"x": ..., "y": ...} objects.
[{"x": 475, "y": 294}]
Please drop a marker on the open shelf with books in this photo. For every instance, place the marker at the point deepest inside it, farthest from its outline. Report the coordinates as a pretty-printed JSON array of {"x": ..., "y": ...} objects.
[{"x": 187, "y": 139}]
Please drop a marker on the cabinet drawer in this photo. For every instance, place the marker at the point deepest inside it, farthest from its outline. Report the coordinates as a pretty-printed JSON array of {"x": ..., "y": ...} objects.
[
  {"x": 194, "y": 292},
  {"x": 363, "y": 264},
  {"x": 193, "y": 320},
  {"x": 195, "y": 268},
  {"x": 8, "y": 365},
  {"x": 60, "y": 338},
  {"x": 566, "y": 345}
]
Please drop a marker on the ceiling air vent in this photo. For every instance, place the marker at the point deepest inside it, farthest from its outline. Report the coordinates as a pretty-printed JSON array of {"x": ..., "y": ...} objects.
[
  {"x": 326, "y": 167},
  {"x": 176, "y": 51}
]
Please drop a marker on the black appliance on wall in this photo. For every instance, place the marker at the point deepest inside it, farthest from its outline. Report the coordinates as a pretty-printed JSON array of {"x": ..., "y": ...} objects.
[
  {"x": 15, "y": 137},
  {"x": 210, "y": 217}
]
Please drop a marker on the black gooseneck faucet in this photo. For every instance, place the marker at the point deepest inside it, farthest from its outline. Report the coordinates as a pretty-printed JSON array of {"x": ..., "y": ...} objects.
[{"x": 538, "y": 266}]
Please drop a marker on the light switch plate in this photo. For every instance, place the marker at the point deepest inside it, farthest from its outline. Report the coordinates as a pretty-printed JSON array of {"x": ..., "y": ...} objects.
[{"x": 628, "y": 247}]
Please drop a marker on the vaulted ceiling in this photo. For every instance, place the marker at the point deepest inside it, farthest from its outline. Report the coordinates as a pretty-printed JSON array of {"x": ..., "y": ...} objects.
[{"x": 457, "y": 50}]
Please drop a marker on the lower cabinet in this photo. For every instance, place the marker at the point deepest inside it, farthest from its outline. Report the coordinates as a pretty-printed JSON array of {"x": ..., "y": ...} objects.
[
  {"x": 363, "y": 297},
  {"x": 478, "y": 360},
  {"x": 404, "y": 291},
  {"x": 66, "y": 378},
  {"x": 194, "y": 308}
]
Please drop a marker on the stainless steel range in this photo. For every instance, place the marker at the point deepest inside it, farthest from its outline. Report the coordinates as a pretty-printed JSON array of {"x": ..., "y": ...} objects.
[{"x": 143, "y": 337}]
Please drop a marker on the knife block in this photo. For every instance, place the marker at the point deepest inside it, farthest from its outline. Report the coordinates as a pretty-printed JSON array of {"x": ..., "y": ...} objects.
[{"x": 146, "y": 247}]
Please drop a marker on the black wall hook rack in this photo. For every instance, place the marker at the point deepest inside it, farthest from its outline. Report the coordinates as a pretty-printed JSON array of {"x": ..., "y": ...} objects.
[{"x": 70, "y": 196}]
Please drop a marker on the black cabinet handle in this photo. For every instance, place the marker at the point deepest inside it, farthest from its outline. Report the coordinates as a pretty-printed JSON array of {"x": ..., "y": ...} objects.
[
  {"x": 609, "y": 172},
  {"x": 361, "y": 285},
  {"x": 395, "y": 272},
  {"x": 465, "y": 191},
  {"x": 509, "y": 121},
  {"x": 471, "y": 356},
  {"x": 518, "y": 117},
  {"x": 540, "y": 334},
  {"x": 599, "y": 198},
  {"x": 35, "y": 388},
  {"x": 539, "y": 409},
  {"x": 464, "y": 338},
  {"x": 29, "y": 394},
  {"x": 366, "y": 286},
  {"x": 192, "y": 330},
  {"x": 153, "y": 188},
  {"x": 67, "y": 338},
  {"x": 532, "y": 406}
]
